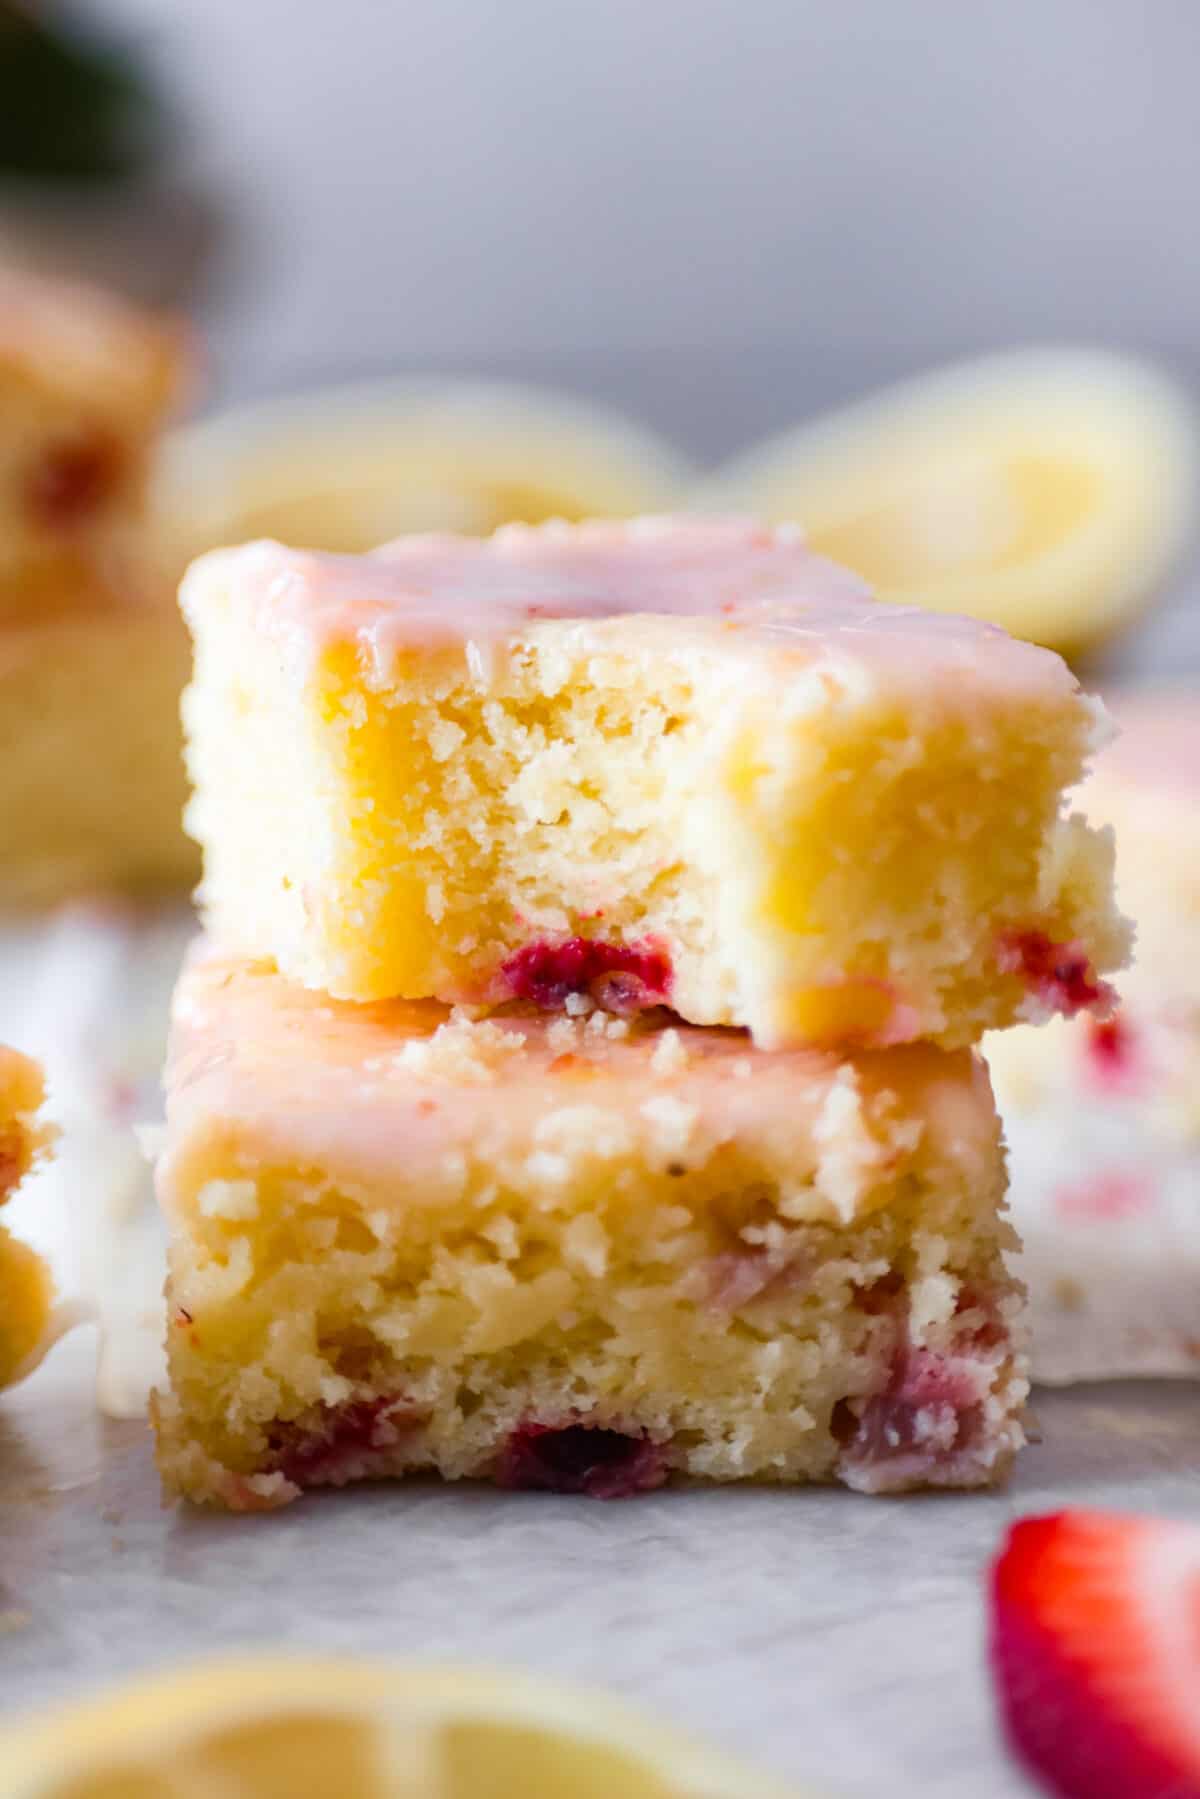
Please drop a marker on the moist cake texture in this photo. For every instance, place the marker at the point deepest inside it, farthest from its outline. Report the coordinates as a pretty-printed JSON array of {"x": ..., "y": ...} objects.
[
  {"x": 581, "y": 1253},
  {"x": 674, "y": 761},
  {"x": 1103, "y": 1117},
  {"x": 26, "y": 1290}
]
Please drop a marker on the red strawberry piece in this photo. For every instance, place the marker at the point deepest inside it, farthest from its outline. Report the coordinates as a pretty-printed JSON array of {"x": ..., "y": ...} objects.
[
  {"x": 621, "y": 977},
  {"x": 581, "y": 1458},
  {"x": 1059, "y": 974},
  {"x": 1095, "y": 1652}
]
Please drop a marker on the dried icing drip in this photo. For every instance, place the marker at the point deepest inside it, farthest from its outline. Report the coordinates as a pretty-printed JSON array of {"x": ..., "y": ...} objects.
[
  {"x": 1060, "y": 976},
  {"x": 620, "y": 977},
  {"x": 581, "y": 1458}
]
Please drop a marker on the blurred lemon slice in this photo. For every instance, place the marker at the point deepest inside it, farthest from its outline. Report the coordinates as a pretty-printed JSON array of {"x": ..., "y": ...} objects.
[
  {"x": 1047, "y": 490},
  {"x": 349, "y": 467},
  {"x": 279, "y": 1729}
]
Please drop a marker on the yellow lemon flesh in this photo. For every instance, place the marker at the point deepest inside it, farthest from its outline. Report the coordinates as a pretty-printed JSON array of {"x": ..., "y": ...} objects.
[
  {"x": 351, "y": 467},
  {"x": 277, "y": 1728},
  {"x": 1049, "y": 491}
]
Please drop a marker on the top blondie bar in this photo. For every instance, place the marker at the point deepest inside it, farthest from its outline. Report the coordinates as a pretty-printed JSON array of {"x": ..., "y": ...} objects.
[{"x": 676, "y": 761}]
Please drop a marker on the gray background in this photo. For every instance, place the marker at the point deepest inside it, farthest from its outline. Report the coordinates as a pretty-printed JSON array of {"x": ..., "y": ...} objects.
[
  {"x": 833, "y": 190},
  {"x": 720, "y": 216}
]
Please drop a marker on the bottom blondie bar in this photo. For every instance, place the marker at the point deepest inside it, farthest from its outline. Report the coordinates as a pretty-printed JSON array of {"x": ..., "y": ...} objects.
[{"x": 575, "y": 1254}]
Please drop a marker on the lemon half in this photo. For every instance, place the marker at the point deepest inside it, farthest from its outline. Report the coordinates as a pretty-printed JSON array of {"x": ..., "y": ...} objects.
[
  {"x": 270, "y": 1728},
  {"x": 347, "y": 468},
  {"x": 1049, "y": 491}
]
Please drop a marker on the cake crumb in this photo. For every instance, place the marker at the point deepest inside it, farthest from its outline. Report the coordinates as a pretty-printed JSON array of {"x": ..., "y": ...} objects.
[
  {"x": 545, "y": 1168},
  {"x": 670, "y": 1056},
  {"x": 562, "y": 1036},
  {"x": 228, "y": 1199},
  {"x": 445, "y": 738},
  {"x": 461, "y": 1049},
  {"x": 586, "y": 1245},
  {"x": 673, "y": 1121},
  {"x": 608, "y": 1026}
]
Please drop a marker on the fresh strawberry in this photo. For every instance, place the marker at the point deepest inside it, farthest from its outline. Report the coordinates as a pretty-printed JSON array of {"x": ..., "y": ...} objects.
[{"x": 1095, "y": 1650}]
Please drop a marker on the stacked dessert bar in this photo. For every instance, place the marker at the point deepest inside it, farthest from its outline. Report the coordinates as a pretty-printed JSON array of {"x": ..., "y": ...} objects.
[
  {"x": 92, "y": 656},
  {"x": 1103, "y": 1116},
  {"x": 576, "y": 1087}
]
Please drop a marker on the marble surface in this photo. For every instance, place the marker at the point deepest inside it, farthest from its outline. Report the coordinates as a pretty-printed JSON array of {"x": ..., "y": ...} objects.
[{"x": 822, "y": 1634}]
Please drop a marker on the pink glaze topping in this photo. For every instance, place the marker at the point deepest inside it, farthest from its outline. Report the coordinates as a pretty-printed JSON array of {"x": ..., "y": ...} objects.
[
  {"x": 380, "y": 1092},
  {"x": 737, "y": 581}
]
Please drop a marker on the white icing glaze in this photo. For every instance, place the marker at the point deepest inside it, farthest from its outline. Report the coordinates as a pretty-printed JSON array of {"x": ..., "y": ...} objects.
[
  {"x": 390, "y": 1090},
  {"x": 732, "y": 579}
]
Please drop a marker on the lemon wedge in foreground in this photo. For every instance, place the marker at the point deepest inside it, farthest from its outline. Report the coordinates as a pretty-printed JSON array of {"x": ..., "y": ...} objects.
[
  {"x": 281, "y": 1729},
  {"x": 349, "y": 467},
  {"x": 1047, "y": 490}
]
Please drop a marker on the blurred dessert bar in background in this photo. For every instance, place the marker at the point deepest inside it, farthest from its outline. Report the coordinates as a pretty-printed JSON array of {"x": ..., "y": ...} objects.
[
  {"x": 92, "y": 659},
  {"x": 26, "y": 1289},
  {"x": 574, "y": 1254},
  {"x": 86, "y": 385},
  {"x": 1103, "y": 1116},
  {"x": 681, "y": 761},
  {"x": 94, "y": 786}
]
